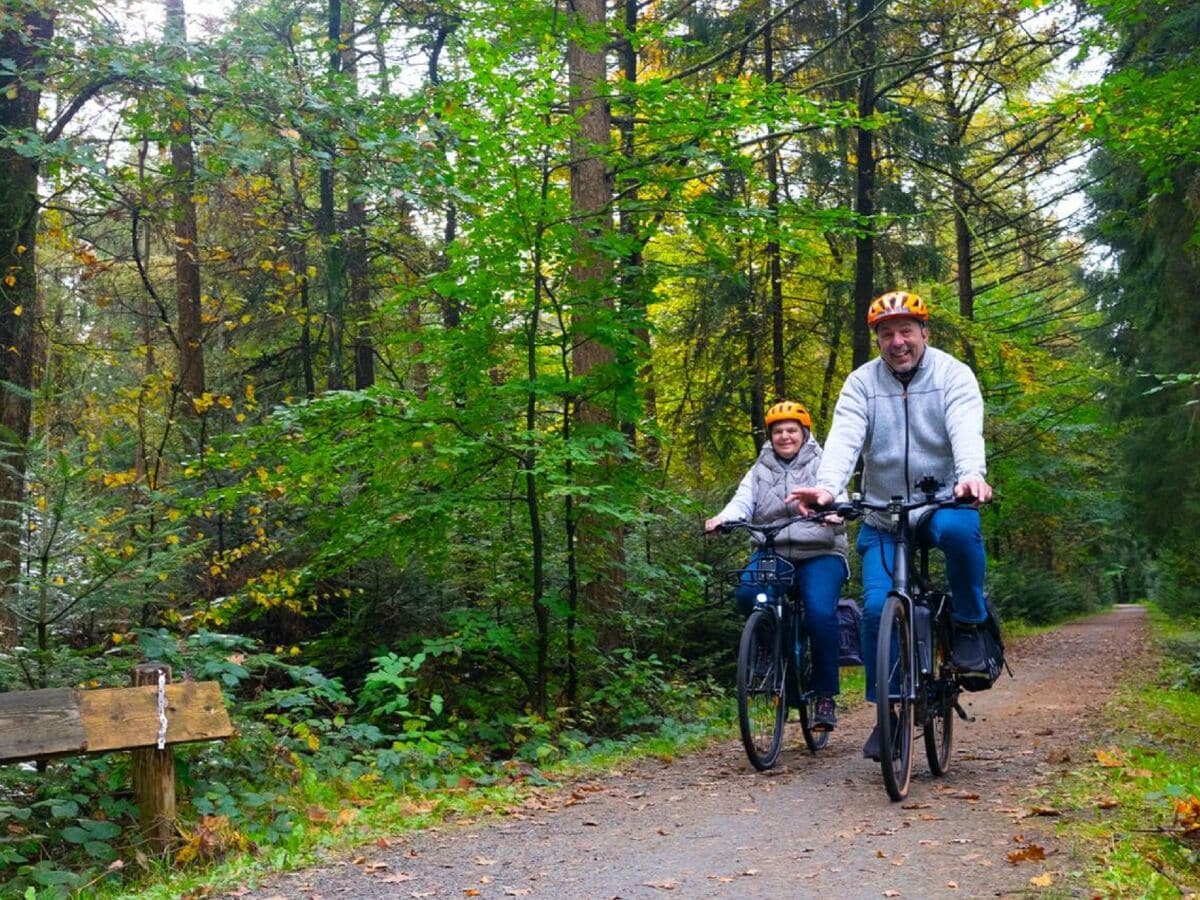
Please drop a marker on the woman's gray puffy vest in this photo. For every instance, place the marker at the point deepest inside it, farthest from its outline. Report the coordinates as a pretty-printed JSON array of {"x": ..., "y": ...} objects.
[{"x": 773, "y": 480}]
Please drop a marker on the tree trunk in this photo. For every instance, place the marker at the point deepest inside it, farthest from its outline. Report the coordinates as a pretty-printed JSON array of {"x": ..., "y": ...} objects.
[
  {"x": 774, "y": 264},
  {"x": 20, "y": 94},
  {"x": 335, "y": 301},
  {"x": 864, "y": 244},
  {"x": 357, "y": 261},
  {"x": 599, "y": 542},
  {"x": 633, "y": 290},
  {"x": 187, "y": 250}
]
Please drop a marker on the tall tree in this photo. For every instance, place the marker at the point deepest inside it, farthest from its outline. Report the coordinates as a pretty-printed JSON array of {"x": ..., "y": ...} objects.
[
  {"x": 189, "y": 329},
  {"x": 592, "y": 303}
]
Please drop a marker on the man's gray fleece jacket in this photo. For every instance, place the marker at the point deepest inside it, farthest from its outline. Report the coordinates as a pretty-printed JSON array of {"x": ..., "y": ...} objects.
[{"x": 934, "y": 426}]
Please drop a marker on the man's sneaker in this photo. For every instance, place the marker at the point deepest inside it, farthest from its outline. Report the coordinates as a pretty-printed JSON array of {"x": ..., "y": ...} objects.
[
  {"x": 871, "y": 747},
  {"x": 968, "y": 653},
  {"x": 826, "y": 715}
]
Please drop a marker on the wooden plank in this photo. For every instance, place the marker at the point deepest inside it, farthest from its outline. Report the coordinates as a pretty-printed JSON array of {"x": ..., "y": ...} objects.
[
  {"x": 124, "y": 718},
  {"x": 40, "y": 723}
]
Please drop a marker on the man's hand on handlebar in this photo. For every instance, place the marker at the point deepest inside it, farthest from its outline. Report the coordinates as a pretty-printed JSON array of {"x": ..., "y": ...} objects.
[
  {"x": 973, "y": 488},
  {"x": 810, "y": 499}
]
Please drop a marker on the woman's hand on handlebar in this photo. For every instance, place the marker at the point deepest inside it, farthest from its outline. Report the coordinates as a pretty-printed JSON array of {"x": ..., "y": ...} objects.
[
  {"x": 810, "y": 499},
  {"x": 973, "y": 488},
  {"x": 711, "y": 525}
]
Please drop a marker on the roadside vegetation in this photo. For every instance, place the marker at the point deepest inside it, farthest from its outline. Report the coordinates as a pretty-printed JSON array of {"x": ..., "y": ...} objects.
[{"x": 1131, "y": 805}]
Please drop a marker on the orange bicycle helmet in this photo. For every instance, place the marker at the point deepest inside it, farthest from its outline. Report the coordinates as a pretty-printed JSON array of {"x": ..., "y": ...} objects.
[
  {"x": 894, "y": 304},
  {"x": 786, "y": 410}
]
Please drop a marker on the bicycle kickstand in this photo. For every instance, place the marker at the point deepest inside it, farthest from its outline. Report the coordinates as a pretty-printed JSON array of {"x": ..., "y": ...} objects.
[{"x": 962, "y": 713}]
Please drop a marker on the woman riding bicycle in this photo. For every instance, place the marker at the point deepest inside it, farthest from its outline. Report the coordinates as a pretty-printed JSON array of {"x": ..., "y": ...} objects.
[{"x": 788, "y": 460}]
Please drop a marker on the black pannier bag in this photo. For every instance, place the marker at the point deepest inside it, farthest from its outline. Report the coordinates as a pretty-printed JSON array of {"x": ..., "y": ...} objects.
[
  {"x": 849, "y": 623},
  {"x": 993, "y": 652}
]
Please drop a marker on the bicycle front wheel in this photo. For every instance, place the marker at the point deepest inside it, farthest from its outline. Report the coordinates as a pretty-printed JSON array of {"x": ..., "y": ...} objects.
[
  {"x": 761, "y": 676},
  {"x": 942, "y": 694},
  {"x": 893, "y": 697}
]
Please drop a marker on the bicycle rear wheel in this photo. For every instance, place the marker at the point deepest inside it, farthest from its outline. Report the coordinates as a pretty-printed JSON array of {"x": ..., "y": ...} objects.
[
  {"x": 807, "y": 700},
  {"x": 894, "y": 706},
  {"x": 941, "y": 695},
  {"x": 761, "y": 677}
]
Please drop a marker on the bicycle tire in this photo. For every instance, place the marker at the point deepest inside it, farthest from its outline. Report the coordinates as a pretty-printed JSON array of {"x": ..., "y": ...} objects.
[
  {"x": 895, "y": 738},
  {"x": 941, "y": 695},
  {"x": 761, "y": 679},
  {"x": 807, "y": 700}
]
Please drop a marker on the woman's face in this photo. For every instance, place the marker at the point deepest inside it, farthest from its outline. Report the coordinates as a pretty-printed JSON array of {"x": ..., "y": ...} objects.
[{"x": 787, "y": 437}]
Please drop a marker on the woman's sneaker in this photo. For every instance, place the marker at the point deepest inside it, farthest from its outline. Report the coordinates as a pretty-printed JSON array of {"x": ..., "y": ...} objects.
[{"x": 826, "y": 715}]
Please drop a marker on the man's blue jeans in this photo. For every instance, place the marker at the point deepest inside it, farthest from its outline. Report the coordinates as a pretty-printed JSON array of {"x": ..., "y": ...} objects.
[
  {"x": 819, "y": 581},
  {"x": 953, "y": 531}
]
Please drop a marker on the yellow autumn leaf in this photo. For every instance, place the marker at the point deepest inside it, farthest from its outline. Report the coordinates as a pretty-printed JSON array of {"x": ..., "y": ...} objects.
[
  {"x": 18, "y": 309},
  {"x": 1110, "y": 759},
  {"x": 1043, "y": 880}
]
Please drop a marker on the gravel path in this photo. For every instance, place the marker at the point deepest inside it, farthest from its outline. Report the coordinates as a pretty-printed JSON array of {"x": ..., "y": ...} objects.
[{"x": 708, "y": 825}]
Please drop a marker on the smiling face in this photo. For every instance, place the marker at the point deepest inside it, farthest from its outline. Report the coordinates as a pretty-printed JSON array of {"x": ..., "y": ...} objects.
[
  {"x": 901, "y": 343},
  {"x": 787, "y": 437}
]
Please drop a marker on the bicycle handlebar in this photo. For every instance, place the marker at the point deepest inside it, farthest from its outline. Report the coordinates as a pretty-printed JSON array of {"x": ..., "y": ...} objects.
[{"x": 767, "y": 529}]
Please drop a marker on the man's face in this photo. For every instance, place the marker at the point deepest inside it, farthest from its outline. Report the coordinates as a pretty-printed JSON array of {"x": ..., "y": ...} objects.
[
  {"x": 901, "y": 343},
  {"x": 787, "y": 437}
]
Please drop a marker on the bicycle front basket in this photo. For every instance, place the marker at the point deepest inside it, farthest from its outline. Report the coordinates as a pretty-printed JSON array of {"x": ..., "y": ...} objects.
[{"x": 767, "y": 570}]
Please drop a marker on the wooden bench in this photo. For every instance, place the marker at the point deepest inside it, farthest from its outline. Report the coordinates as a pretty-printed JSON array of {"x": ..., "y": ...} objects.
[{"x": 146, "y": 719}]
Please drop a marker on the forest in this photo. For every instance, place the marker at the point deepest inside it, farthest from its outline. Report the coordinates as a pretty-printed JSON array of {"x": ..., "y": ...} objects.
[{"x": 382, "y": 359}]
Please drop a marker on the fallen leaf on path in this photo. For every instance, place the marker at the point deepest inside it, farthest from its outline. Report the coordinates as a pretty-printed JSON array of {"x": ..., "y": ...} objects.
[
  {"x": 891, "y": 893},
  {"x": 375, "y": 865},
  {"x": 1032, "y": 853},
  {"x": 1044, "y": 811},
  {"x": 1138, "y": 773},
  {"x": 1107, "y": 803},
  {"x": 1043, "y": 880},
  {"x": 915, "y": 805},
  {"x": 879, "y": 854},
  {"x": 1110, "y": 759},
  {"x": 953, "y": 885},
  {"x": 662, "y": 885},
  {"x": 398, "y": 878},
  {"x": 750, "y": 872},
  {"x": 471, "y": 892},
  {"x": 517, "y": 892},
  {"x": 484, "y": 861}
]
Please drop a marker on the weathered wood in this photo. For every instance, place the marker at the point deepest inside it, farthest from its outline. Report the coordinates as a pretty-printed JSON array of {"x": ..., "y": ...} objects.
[
  {"x": 61, "y": 721},
  {"x": 125, "y": 718},
  {"x": 153, "y": 769},
  {"x": 40, "y": 723}
]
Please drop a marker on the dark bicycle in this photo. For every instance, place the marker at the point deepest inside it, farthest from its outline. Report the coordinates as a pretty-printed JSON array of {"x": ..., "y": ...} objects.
[
  {"x": 916, "y": 686},
  {"x": 774, "y": 666}
]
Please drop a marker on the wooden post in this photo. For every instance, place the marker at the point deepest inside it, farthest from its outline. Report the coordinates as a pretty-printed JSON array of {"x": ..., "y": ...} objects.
[{"x": 154, "y": 775}]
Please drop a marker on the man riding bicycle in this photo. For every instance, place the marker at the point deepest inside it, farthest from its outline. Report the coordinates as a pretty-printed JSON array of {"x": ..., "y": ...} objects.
[{"x": 914, "y": 410}]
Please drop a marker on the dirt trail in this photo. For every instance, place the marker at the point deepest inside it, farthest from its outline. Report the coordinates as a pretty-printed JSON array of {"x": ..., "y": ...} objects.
[{"x": 707, "y": 825}]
